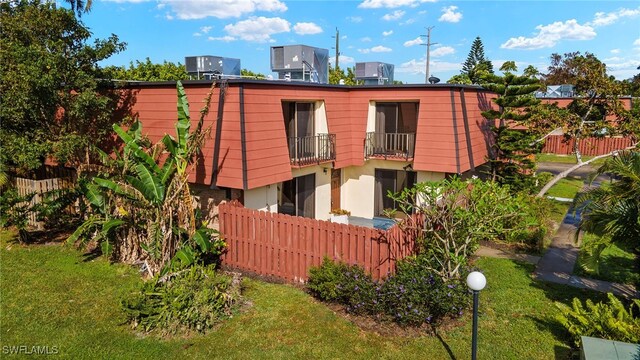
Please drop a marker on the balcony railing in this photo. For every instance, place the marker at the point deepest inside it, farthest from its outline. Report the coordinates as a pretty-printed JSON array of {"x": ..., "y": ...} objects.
[
  {"x": 309, "y": 150},
  {"x": 390, "y": 145}
]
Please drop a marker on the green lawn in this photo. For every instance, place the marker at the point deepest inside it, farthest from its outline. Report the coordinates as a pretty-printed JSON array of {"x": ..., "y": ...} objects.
[
  {"x": 53, "y": 296},
  {"x": 566, "y": 159},
  {"x": 618, "y": 264},
  {"x": 566, "y": 188}
]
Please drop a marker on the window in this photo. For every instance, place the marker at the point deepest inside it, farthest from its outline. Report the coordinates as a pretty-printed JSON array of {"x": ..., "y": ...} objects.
[
  {"x": 390, "y": 180},
  {"x": 297, "y": 196},
  {"x": 299, "y": 119},
  {"x": 396, "y": 117}
]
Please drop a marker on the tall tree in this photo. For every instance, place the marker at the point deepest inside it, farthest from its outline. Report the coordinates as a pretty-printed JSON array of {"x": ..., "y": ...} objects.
[
  {"x": 477, "y": 65},
  {"x": 594, "y": 112},
  {"x": 147, "y": 71},
  {"x": 80, "y": 6},
  {"x": 51, "y": 103},
  {"x": 512, "y": 151}
]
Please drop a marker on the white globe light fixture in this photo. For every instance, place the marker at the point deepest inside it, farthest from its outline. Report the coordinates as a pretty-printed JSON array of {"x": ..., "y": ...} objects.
[{"x": 476, "y": 282}]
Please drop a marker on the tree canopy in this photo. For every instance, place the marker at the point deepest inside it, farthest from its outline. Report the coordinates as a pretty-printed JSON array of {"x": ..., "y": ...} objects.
[
  {"x": 51, "y": 104},
  {"x": 147, "y": 71},
  {"x": 336, "y": 74},
  {"x": 511, "y": 156},
  {"x": 594, "y": 111},
  {"x": 475, "y": 67}
]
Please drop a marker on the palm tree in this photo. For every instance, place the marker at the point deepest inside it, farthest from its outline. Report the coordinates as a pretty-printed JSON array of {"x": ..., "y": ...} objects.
[
  {"x": 612, "y": 211},
  {"x": 80, "y": 6}
]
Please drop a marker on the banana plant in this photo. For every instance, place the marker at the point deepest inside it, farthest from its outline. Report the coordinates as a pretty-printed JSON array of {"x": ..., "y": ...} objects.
[{"x": 147, "y": 203}]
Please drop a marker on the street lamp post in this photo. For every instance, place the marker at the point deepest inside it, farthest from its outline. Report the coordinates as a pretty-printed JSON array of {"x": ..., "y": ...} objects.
[{"x": 476, "y": 282}]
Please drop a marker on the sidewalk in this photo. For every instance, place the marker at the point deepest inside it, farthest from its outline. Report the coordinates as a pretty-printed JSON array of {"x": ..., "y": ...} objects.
[{"x": 557, "y": 264}]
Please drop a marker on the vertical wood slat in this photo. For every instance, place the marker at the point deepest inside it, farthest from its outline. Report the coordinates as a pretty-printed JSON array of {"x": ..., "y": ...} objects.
[
  {"x": 554, "y": 144},
  {"x": 285, "y": 247}
]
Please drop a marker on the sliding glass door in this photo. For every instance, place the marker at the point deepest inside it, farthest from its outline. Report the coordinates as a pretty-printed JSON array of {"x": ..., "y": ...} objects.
[
  {"x": 393, "y": 181},
  {"x": 297, "y": 197}
]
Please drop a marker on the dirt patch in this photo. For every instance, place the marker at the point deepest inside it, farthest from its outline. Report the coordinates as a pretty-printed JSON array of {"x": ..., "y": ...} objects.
[{"x": 511, "y": 248}]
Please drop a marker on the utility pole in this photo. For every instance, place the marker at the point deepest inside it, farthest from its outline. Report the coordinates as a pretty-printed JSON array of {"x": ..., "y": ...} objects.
[
  {"x": 337, "y": 47},
  {"x": 428, "y": 45}
]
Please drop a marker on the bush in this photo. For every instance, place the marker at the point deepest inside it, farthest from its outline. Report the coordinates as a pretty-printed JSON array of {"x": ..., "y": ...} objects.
[
  {"x": 345, "y": 284},
  {"x": 192, "y": 299},
  {"x": 416, "y": 295},
  {"x": 608, "y": 321},
  {"x": 413, "y": 296}
]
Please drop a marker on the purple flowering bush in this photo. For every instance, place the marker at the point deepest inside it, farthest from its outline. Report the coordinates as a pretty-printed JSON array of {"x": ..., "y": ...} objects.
[
  {"x": 417, "y": 295},
  {"x": 413, "y": 296}
]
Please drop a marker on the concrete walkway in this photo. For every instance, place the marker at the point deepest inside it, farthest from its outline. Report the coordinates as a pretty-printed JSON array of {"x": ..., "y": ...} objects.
[{"x": 557, "y": 264}]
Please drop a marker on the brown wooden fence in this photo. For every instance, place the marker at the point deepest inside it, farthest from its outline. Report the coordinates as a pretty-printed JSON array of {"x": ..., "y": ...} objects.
[
  {"x": 285, "y": 247},
  {"x": 555, "y": 144},
  {"x": 65, "y": 180}
]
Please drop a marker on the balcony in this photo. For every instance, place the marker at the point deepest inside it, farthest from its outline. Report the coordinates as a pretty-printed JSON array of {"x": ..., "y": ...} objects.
[
  {"x": 310, "y": 150},
  {"x": 390, "y": 145}
]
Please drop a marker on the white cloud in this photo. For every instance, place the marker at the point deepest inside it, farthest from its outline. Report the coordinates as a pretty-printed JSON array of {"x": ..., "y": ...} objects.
[
  {"x": 343, "y": 37},
  {"x": 306, "y": 28},
  {"x": 343, "y": 59},
  {"x": 169, "y": 16},
  {"x": 258, "y": 29},
  {"x": 380, "y": 48},
  {"x": 416, "y": 41},
  {"x": 375, "y": 49},
  {"x": 397, "y": 14},
  {"x": 197, "y": 34},
  {"x": 637, "y": 42},
  {"x": 226, "y": 38},
  {"x": 604, "y": 19},
  {"x": 206, "y": 29},
  {"x": 615, "y": 51},
  {"x": 355, "y": 19},
  {"x": 418, "y": 67},
  {"x": 387, "y": 33},
  {"x": 376, "y": 4},
  {"x": 365, "y": 39},
  {"x": 549, "y": 35},
  {"x": 449, "y": 14},
  {"x": 221, "y": 9},
  {"x": 442, "y": 51},
  {"x": 422, "y": 12},
  {"x": 408, "y": 22},
  {"x": 622, "y": 68}
]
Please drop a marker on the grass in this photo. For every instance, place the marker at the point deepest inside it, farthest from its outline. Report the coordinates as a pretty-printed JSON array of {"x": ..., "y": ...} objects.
[
  {"x": 618, "y": 264},
  {"x": 566, "y": 159},
  {"x": 53, "y": 296},
  {"x": 566, "y": 188}
]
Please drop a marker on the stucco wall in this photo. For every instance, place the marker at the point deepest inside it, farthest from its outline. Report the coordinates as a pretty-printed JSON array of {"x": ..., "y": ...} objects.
[
  {"x": 358, "y": 184},
  {"x": 265, "y": 198}
]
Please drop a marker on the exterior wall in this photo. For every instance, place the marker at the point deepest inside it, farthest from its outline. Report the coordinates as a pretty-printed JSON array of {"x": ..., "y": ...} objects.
[
  {"x": 358, "y": 184},
  {"x": 323, "y": 188},
  {"x": 252, "y": 148},
  {"x": 263, "y": 198}
]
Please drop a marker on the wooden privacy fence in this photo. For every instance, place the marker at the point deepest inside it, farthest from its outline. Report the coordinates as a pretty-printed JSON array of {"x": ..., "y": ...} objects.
[
  {"x": 555, "y": 144},
  {"x": 65, "y": 179},
  {"x": 285, "y": 247}
]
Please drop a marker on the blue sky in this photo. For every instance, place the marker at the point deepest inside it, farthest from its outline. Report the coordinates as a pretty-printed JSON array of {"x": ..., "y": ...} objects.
[{"x": 374, "y": 30}]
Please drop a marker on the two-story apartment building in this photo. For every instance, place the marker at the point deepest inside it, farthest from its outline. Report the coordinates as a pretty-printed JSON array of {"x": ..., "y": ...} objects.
[{"x": 307, "y": 149}]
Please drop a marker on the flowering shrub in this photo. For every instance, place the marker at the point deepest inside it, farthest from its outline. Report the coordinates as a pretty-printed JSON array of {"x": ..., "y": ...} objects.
[
  {"x": 416, "y": 295},
  {"x": 413, "y": 296}
]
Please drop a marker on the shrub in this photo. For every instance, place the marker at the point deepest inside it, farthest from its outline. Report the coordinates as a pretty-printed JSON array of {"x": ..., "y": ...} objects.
[
  {"x": 345, "y": 284},
  {"x": 416, "y": 295},
  {"x": 413, "y": 296},
  {"x": 193, "y": 299},
  {"x": 609, "y": 321}
]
